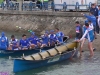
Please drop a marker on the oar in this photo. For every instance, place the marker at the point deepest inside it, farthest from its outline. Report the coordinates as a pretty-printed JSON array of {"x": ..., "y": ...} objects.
[{"x": 24, "y": 29}]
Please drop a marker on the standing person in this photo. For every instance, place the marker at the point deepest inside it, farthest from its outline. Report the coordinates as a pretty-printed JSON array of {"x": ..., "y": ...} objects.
[
  {"x": 94, "y": 9},
  {"x": 14, "y": 44},
  {"x": 79, "y": 31},
  {"x": 84, "y": 29},
  {"x": 99, "y": 16},
  {"x": 90, "y": 36},
  {"x": 92, "y": 18},
  {"x": 60, "y": 35},
  {"x": 45, "y": 4},
  {"x": 24, "y": 43},
  {"x": 4, "y": 43}
]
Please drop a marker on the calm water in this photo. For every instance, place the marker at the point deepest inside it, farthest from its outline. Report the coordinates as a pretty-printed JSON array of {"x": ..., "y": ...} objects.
[{"x": 84, "y": 66}]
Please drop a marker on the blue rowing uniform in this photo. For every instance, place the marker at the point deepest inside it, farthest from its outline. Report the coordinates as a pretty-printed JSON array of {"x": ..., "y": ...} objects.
[
  {"x": 33, "y": 40},
  {"x": 90, "y": 35},
  {"x": 24, "y": 43},
  {"x": 14, "y": 43},
  {"x": 60, "y": 36},
  {"x": 45, "y": 39},
  {"x": 53, "y": 38},
  {"x": 4, "y": 43},
  {"x": 92, "y": 18}
]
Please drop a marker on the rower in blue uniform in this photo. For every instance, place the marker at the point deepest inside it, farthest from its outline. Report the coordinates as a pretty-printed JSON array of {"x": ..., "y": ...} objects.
[
  {"x": 14, "y": 44},
  {"x": 90, "y": 36},
  {"x": 53, "y": 39},
  {"x": 45, "y": 39},
  {"x": 24, "y": 43},
  {"x": 4, "y": 43},
  {"x": 34, "y": 41},
  {"x": 60, "y": 35}
]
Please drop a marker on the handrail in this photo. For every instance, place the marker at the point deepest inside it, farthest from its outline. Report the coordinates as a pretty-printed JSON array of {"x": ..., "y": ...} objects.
[{"x": 34, "y": 6}]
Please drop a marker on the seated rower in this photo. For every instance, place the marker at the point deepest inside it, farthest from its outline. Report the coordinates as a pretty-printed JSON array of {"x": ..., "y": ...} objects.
[
  {"x": 52, "y": 38},
  {"x": 60, "y": 35},
  {"x": 34, "y": 41},
  {"x": 45, "y": 40},
  {"x": 14, "y": 44},
  {"x": 4, "y": 43},
  {"x": 24, "y": 43}
]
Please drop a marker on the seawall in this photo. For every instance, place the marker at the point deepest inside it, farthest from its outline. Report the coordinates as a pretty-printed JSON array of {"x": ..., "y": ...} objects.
[{"x": 39, "y": 21}]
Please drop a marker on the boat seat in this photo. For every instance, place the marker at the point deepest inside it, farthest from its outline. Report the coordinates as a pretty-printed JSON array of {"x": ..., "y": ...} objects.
[
  {"x": 37, "y": 56},
  {"x": 53, "y": 52},
  {"x": 28, "y": 58},
  {"x": 44, "y": 54},
  {"x": 62, "y": 48}
]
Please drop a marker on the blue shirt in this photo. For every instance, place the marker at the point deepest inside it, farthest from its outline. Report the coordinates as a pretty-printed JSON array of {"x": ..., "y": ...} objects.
[
  {"x": 14, "y": 43},
  {"x": 33, "y": 40},
  {"x": 98, "y": 12},
  {"x": 4, "y": 43},
  {"x": 92, "y": 18},
  {"x": 60, "y": 36},
  {"x": 45, "y": 39},
  {"x": 24, "y": 43},
  {"x": 53, "y": 38},
  {"x": 95, "y": 11}
]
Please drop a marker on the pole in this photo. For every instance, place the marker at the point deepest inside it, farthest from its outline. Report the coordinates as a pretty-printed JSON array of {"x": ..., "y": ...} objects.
[{"x": 20, "y": 4}]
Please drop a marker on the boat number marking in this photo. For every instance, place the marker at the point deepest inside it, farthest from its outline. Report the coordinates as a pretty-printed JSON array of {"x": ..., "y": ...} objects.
[{"x": 54, "y": 59}]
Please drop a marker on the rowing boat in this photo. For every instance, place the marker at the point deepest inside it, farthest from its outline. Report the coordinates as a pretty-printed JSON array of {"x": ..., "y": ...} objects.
[
  {"x": 14, "y": 53},
  {"x": 47, "y": 57}
]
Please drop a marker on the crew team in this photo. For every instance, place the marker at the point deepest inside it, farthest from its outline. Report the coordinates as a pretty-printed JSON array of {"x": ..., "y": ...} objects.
[{"x": 48, "y": 39}]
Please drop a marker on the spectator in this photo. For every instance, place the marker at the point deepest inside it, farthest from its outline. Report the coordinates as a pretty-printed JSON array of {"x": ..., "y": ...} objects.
[
  {"x": 94, "y": 9},
  {"x": 79, "y": 31},
  {"x": 45, "y": 4},
  {"x": 99, "y": 16}
]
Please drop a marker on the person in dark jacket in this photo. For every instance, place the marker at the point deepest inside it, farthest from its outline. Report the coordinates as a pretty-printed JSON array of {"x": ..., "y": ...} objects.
[
  {"x": 94, "y": 9},
  {"x": 79, "y": 31}
]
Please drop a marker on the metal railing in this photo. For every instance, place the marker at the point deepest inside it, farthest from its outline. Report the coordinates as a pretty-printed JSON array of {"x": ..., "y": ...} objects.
[{"x": 44, "y": 6}]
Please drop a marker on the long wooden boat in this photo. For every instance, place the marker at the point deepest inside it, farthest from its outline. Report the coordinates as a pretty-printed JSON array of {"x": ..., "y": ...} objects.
[
  {"x": 14, "y": 53},
  {"x": 48, "y": 57}
]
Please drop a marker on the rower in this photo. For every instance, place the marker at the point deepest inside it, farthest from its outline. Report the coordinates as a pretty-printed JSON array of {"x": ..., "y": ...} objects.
[
  {"x": 52, "y": 38},
  {"x": 34, "y": 41},
  {"x": 4, "y": 43},
  {"x": 24, "y": 43},
  {"x": 14, "y": 44},
  {"x": 45, "y": 39},
  {"x": 60, "y": 35}
]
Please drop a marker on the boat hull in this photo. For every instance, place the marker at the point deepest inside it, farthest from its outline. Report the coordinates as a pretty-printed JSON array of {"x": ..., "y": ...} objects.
[
  {"x": 22, "y": 65},
  {"x": 14, "y": 53}
]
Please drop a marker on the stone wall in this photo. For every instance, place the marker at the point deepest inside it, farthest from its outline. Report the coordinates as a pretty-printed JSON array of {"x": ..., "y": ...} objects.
[{"x": 38, "y": 23}]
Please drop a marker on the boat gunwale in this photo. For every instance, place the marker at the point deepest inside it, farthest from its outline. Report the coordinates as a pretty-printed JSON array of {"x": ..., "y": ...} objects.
[{"x": 48, "y": 57}]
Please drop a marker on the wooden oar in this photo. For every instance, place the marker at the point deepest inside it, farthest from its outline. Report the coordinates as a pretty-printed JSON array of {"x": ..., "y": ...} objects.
[{"x": 24, "y": 29}]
